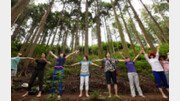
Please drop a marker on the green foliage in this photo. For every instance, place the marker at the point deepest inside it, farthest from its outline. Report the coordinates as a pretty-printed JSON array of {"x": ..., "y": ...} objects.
[
  {"x": 164, "y": 49},
  {"x": 15, "y": 47}
]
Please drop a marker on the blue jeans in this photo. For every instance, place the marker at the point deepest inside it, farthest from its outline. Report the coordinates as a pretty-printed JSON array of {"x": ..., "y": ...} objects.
[
  {"x": 58, "y": 75},
  {"x": 160, "y": 76}
]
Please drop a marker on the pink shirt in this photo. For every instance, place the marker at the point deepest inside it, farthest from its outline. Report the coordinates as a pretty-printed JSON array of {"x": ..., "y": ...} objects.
[{"x": 165, "y": 65}]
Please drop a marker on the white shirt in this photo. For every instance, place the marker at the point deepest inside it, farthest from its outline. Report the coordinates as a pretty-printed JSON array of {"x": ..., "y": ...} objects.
[{"x": 154, "y": 62}]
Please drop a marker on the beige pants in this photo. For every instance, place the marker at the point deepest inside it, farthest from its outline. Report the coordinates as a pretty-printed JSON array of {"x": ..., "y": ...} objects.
[
  {"x": 167, "y": 76},
  {"x": 134, "y": 80}
]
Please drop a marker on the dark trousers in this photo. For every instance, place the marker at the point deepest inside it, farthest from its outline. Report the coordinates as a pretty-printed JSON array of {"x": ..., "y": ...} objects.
[
  {"x": 109, "y": 76},
  {"x": 40, "y": 75},
  {"x": 160, "y": 76}
]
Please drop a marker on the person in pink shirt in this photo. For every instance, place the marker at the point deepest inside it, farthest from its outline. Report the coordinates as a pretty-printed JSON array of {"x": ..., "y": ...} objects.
[{"x": 165, "y": 65}]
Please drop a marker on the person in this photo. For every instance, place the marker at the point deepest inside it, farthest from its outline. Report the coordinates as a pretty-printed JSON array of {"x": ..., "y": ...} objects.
[
  {"x": 110, "y": 72},
  {"x": 14, "y": 63},
  {"x": 38, "y": 72},
  {"x": 165, "y": 65},
  {"x": 132, "y": 75},
  {"x": 84, "y": 75},
  {"x": 158, "y": 72},
  {"x": 58, "y": 72}
]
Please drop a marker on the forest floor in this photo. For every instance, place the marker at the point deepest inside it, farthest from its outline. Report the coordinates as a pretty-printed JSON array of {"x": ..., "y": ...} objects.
[
  {"x": 16, "y": 96},
  {"x": 97, "y": 83}
]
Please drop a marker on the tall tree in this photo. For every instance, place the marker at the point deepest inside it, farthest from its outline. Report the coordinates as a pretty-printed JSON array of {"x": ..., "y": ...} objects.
[
  {"x": 57, "y": 26},
  {"x": 156, "y": 5},
  {"x": 127, "y": 30},
  {"x": 149, "y": 41},
  {"x": 28, "y": 38},
  {"x": 125, "y": 47},
  {"x": 40, "y": 27},
  {"x": 51, "y": 32},
  {"x": 156, "y": 23},
  {"x": 98, "y": 32},
  {"x": 86, "y": 51},
  {"x": 65, "y": 40},
  {"x": 135, "y": 30},
  {"x": 59, "y": 39},
  {"x": 17, "y": 9}
]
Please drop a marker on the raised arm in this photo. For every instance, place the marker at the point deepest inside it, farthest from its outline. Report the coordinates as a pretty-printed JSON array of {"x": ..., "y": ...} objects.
[
  {"x": 121, "y": 60},
  {"x": 157, "y": 50},
  {"x": 97, "y": 60},
  {"x": 137, "y": 56},
  {"x": 96, "y": 65},
  {"x": 53, "y": 54},
  {"x": 75, "y": 64},
  {"x": 157, "y": 53},
  {"x": 146, "y": 56},
  {"x": 122, "y": 55},
  {"x": 143, "y": 51},
  {"x": 76, "y": 51},
  {"x": 28, "y": 58},
  {"x": 47, "y": 61}
]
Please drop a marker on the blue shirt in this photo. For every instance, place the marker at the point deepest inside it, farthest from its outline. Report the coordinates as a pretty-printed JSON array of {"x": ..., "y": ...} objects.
[
  {"x": 60, "y": 61},
  {"x": 85, "y": 68}
]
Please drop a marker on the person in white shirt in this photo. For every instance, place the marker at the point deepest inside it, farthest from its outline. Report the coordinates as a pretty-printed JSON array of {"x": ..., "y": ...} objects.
[{"x": 158, "y": 72}]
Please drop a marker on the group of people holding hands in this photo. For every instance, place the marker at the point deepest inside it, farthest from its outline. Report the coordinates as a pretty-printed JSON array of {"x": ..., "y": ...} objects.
[{"x": 160, "y": 68}]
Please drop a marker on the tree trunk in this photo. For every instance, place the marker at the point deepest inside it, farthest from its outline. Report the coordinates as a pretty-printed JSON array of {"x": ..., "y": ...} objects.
[
  {"x": 149, "y": 41},
  {"x": 41, "y": 38},
  {"x": 135, "y": 31},
  {"x": 86, "y": 51},
  {"x": 125, "y": 48},
  {"x": 106, "y": 34},
  {"x": 162, "y": 14},
  {"x": 52, "y": 42},
  {"x": 72, "y": 42},
  {"x": 109, "y": 37},
  {"x": 156, "y": 23},
  {"x": 77, "y": 26},
  {"x": 40, "y": 27},
  {"x": 49, "y": 37},
  {"x": 127, "y": 30},
  {"x": 31, "y": 42},
  {"x": 15, "y": 33},
  {"x": 65, "y": 41},
  {"x": 44, "y": 37},
  {"x": 17, "y": 9},
  {"x": 19, "y": 23},
  {"x": 98, "y": 32},
  {"x": 77, "y": 30},
  {"x": 157, "y": 35},
  {"x": 57, "y": 45},
  {"x": 28, "y": 38}
]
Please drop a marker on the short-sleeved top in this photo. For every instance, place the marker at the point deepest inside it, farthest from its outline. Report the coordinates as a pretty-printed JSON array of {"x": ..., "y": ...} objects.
[
  {"x": 154, "y": 62},
  {"x": 60, "y": 62},
  {"x": 40, "y": 64},
  {"x": 130, "y": 66},
  {"x": 85, "y": 68},
  {"x": 165, "y": 65},
  {"x": 110, "y": 66},
  {"x": 14, "y": 62}
]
